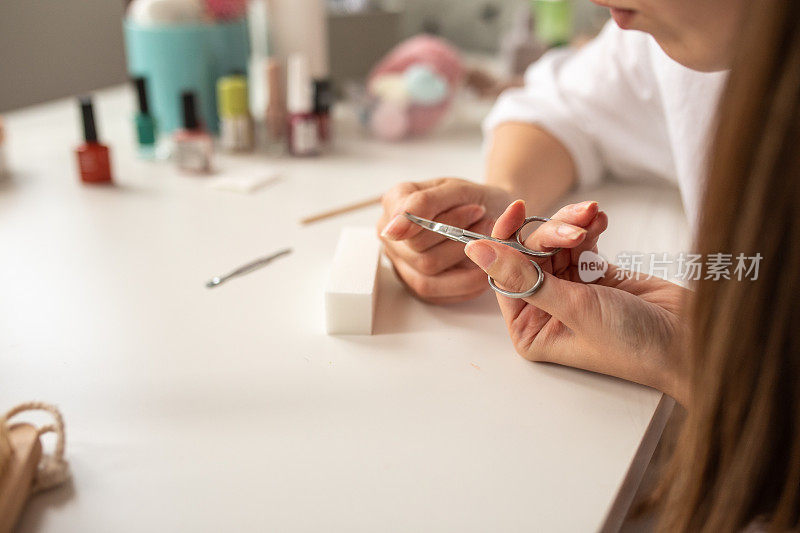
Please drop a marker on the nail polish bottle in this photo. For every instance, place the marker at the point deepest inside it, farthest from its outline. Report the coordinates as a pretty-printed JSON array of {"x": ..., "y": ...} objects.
[
  {"x": 235, "y": 124},
  {"x": 145, "y": 122},
  {"x": 303, "y": 126},
  {"x": 323, "y": 101},
  {"x": 275, "y": 117},
  {"x": 94, "y": 163},
  {"x": 193, "y": 146}
]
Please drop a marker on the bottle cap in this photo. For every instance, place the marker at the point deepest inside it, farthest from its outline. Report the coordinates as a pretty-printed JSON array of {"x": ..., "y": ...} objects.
[
  {"x": 299, "y": 98},
  {"x": 323, "y": 96},
  {"x": 141, "y": 93},
  {"x": 87, "y": 112},
  {"x": 190, "y": 121},
  {"x": 232, "y": 96}
]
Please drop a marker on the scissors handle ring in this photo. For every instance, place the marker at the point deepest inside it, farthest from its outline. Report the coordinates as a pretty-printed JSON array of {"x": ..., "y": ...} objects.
[
  {"x": 518, "y": 235},
  {"x": 526, "y": 294}
]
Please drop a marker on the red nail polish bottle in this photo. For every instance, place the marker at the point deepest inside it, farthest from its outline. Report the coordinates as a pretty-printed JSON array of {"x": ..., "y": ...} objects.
[{"x": 94, "y": 163}]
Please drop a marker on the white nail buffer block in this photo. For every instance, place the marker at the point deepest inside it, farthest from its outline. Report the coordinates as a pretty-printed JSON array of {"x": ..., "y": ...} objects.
[{"x": 353, "y": 282}]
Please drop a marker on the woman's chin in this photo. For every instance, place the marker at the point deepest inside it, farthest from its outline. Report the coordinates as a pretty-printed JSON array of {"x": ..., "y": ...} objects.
[{"x": 623, "y": 17}]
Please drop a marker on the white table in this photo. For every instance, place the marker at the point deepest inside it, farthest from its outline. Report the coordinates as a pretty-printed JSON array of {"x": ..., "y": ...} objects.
[{"x": 196, "y": 410}]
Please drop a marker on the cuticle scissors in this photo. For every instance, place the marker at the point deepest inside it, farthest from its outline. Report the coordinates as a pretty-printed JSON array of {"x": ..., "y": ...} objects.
[{"x": 465, "y": 236}]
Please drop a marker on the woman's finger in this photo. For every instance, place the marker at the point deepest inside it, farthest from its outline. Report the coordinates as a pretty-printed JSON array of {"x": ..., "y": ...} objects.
[
  {"x": 514, "y": 272},
  {"x": 559, "y": 232},
  {"x": 551, "y": 234},
  {"x": 593, "y": 232},
  {"x": 510, "y": 221},
  {"x": 555, "y": 234},
  {"x": 458, "y": 282},
  {"x": 428, "y": 203},
  {"x": 580, "y": 214},
  {"x": 432, "y": 261},
  {"x": 565, "y": 229},
  {"x": 397, "y": 195},
  {"x": 462, "y": 216}
]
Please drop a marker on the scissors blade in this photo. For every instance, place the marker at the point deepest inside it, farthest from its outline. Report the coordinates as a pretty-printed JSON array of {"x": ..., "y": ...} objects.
[{"x": 451, "y": 232}]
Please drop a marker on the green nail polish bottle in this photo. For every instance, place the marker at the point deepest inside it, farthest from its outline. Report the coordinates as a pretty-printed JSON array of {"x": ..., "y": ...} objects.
[{"x": 145, "y": 122}]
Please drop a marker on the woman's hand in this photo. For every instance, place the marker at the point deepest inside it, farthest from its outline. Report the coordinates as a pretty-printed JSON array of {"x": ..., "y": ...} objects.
[
  {"x": 629, "y": 328},
  {"x": 433, "y": 267}
]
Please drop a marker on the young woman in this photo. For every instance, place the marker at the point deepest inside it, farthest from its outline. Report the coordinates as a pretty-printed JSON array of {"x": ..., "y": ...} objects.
[
  {"x": 730, "y": 350},
  {"x": 629, "y": 103}
]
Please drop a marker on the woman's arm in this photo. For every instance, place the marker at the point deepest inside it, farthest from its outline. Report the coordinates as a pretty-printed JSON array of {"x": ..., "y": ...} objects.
[{"x": 530, "y": 163}]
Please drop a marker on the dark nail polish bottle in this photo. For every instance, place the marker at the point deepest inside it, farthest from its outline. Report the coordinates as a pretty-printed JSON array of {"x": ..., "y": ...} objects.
[{"x": 193, "y": 145}]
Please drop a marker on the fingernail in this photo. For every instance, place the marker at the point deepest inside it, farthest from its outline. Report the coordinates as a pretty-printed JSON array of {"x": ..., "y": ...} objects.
[
  {"x": 390, "y": 230},
  {"x": 512, "y": 204},
  {"x": 481, "y": 254},
  {"x": 570, "y": 232},
  {"x": 585, "y": 206}
]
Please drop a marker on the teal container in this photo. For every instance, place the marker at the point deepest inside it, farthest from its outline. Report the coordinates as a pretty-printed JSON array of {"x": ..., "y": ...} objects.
[{"x": 187, "y": 57}]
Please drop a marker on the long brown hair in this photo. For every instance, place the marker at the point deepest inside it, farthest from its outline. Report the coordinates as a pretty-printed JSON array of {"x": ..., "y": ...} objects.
[{"x": 737, "y": 460}]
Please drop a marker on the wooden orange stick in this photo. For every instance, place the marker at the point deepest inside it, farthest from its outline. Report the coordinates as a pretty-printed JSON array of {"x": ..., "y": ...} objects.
[{"x": 341, "y": 210}]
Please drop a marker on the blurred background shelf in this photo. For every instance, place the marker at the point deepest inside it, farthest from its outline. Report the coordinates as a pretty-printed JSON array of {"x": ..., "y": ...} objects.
[{"x": 36, "y": 67}]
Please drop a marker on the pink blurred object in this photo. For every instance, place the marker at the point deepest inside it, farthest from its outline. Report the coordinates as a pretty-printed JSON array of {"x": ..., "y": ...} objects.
[
  {"x": 426, "y": 53},
  {"x": 390, "y": 121},
  {"x": 226, "y": 9}
]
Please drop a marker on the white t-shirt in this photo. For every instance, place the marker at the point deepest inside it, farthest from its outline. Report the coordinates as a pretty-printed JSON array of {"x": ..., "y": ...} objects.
[{"x": 621, "y": 106}]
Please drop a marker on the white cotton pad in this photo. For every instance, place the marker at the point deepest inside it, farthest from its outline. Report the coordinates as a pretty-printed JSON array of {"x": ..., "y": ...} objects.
[{"x": 352, "y": 285}]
